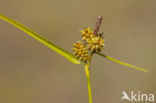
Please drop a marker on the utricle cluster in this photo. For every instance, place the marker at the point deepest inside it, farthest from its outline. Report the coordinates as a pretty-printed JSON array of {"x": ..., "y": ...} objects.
[{"x": 89, "y": 44}]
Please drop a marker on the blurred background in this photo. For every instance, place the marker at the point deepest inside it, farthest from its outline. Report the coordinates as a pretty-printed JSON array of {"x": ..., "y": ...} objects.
[{"x": 32, "y": 73}]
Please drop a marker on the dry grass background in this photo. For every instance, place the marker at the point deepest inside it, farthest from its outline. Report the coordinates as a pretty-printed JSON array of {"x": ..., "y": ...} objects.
[{"x": 32, "y": 73}]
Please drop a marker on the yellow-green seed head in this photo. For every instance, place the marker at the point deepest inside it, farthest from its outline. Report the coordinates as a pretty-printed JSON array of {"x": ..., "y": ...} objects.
[
  {"x": 80, "y": 51},
  {"x": 87, "y": 34},
  {"x": 95, "y": 44}
]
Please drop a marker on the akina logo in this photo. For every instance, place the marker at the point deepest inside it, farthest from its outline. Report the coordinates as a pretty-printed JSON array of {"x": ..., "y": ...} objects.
[{"x": 137, "y": 97}]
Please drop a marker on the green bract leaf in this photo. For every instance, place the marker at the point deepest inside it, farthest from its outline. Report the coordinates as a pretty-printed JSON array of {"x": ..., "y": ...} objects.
[
  {"x": 123, "y": 63},
  {"x": 49, "y": 44}
]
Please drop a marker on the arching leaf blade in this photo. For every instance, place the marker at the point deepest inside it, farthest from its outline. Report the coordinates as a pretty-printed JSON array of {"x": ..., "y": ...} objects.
[
  {"x": 41, "y": 39},
  {"x": 123, "y": 63}
]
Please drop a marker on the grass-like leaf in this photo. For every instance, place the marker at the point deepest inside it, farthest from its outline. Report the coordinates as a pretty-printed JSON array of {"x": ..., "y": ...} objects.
[
  {"x": 44, "y": 41},
  {"x": 123, "y": 63}
]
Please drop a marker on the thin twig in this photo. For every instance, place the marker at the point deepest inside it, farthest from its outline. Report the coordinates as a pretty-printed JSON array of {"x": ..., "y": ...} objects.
[{"x": 97, "y": 25}]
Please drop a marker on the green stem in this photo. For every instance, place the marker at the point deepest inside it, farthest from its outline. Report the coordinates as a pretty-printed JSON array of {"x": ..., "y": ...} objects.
[{"x": 88, "y": 83}]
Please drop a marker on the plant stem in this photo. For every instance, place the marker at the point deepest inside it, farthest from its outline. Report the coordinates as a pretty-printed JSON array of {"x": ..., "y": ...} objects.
[{"x": 88, "y": 82}]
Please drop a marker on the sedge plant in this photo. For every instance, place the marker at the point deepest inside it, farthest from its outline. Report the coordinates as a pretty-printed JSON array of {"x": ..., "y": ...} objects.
[{"x": 92, "y": 42}]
